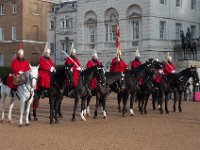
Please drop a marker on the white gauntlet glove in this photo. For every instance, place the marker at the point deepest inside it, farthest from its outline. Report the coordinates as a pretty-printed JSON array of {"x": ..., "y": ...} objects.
[
  {"x": 79, "y": 69},
  {"x": 52, "y": 69},
  {"x": 21, "y": 72},
  {"x": 173, "y": 71}
]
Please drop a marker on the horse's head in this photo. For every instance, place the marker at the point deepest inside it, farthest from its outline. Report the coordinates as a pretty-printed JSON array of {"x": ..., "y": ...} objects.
[
  {"x": 69, "y": 73},
  {"x": 101, "y": 77},
  {"x": 33, "y": 76},
  {"x": 194, "y": 74}
]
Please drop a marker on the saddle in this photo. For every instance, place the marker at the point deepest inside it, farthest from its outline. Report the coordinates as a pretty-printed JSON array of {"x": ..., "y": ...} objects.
[{"x": 19, "y": 79}]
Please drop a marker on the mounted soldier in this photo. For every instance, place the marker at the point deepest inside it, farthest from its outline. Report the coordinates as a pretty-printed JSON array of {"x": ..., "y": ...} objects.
[
  {"x": 93, "y": 62},
  {"x": 19, "y": 66},
  {"x": 169, "y": 66},
  {"x": 73, "y": 60},
  {"x": 136, "y": 63}
]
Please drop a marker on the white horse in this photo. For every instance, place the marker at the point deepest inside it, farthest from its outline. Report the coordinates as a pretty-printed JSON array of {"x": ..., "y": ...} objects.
[{"x": 25, "y": 93}]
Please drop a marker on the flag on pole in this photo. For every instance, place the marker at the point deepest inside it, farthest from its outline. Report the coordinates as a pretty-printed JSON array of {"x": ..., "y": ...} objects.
[{"x": 118, "y": 39}]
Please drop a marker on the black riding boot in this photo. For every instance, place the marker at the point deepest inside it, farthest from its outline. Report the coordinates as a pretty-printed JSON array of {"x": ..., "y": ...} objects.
[{"x": 35, "y": 115}]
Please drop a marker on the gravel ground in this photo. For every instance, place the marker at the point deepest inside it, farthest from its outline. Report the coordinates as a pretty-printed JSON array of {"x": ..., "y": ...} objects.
[{"x": 176, "y": 131}]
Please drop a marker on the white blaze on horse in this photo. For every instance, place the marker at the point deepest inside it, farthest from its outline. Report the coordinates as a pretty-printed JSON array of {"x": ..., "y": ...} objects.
[{"x": 25, "y": 93}]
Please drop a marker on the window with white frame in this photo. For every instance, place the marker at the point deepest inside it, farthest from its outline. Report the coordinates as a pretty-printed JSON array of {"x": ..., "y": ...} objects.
[
  {"x": 62, "y": 46},
  {"x": 163, "y": 2},
  {"x": 92, "y": 33},
  {"x": 178, "y": 3},
  {"x": 69, "y": 23},
  {"x": 14, "y": 33},
  {"x": 1, "y": 34},
  {"x": 193, "y": 4},
  {"x": 14, "y": 8},
  {"x": 135, "y": 30},
  {"x": 52, "y": 48},
  {"x": 162, "y": 30},
  {"x": 2, "y": 9},
  {"x": 13, "y": 55},
  {"x": 193, "y": 31},
  {"x": 51, "y": 25},
  {"x": 1, "y": 59},
  {"x": 178, "y": 30},
  {"x": 111, "y": 32},
  {"x": 62, "y": 24}
]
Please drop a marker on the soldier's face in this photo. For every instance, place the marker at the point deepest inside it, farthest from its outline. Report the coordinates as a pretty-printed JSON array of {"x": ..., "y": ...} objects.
[
  {"x": 47, "y": 54},
  {"x": 20, "y": 56}
]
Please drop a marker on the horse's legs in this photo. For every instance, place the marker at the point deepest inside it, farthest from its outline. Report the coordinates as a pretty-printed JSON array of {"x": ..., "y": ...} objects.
[
  {"x": 119, "y": 98},
  {"x": 83, "y": 108},
  {"x": 179, "y": 102},
  {"x": 87, "y": 111},
  {"x": 97, "y": 104},
  {"x": 28, "y": 111},
  {"x": 131, "y": 103},
  {"x": 166, "y": 102},
  {"x": 75, "y": 107},
  {"x": 125, "y": 98},
  {"x": 3, "y": 99},
  {"x": 146, "y": 101},
  {"x": 51, "y": 102},
  {"x": 175, "y": 99},
  {"x": 35, "y": 105},
  {"x": 22, "y": 104},
  {"x": 104, "y": 106},
  {"x": 12, "y": 100}
]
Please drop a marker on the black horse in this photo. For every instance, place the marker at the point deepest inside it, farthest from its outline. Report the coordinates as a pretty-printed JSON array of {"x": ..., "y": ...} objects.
[
  {"x": 131, "y": 86},
  {"x": 113, "y": 83},
  {"x": 53, "y": 93},
  {"x": 174, "y": 83},
  {"x": 145, "y": 91},
  {"x": 83, "y": 89},
  {"x": 186, "y": 44}
]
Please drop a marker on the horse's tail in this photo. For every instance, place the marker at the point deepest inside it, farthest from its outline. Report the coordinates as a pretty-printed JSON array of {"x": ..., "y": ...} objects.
[{"x": 5, "y": 89}]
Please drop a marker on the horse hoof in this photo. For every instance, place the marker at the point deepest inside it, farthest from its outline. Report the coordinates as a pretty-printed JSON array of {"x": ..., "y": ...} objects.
[
  {"x": 3, "y": 121},
  {"x": 51, "y": 122},
  {"x": 35, "y": 119},
  {"x": 105, "y": 117},
  {"x": 132, "y": 114},
  {"x": 73, "y": 119},
  {"x": 174, "y": 110},
  {"x": 10, "y": 121},
  {"x": 180, "y": 110},
  {"x": 145, "y": 112},
  {"x": 20, "y": 125},
  {"x": 27, "y": 124},
  {"x": 161, "y": 112},
  {"x": 167, "y": 112},
  {"x": 95, "y": 117},
  {"x": 60, "y": 117}
]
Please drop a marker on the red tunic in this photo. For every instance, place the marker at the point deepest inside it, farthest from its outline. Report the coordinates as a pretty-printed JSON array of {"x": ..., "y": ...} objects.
[
  {"x": 158, "y": 76},
  {"x": 169, "y": 67},
  {"x": 75, "y": 71},
  {"x": 135, "y": 64},
  {"x": 44, "y": 73},
  {"x": 118, "y": 66},
  {"x": 90, "y": 64},
  {"x": 17, "y": 66}
]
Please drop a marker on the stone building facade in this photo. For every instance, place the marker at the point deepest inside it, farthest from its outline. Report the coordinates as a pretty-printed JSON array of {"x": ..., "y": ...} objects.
[{"x": 153, "y": 26}]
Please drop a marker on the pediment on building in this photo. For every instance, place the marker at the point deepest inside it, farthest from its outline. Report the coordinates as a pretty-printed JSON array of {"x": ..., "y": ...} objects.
[
  {"x": 66, "y": 8},
  {"x": 134, "y": 15}
]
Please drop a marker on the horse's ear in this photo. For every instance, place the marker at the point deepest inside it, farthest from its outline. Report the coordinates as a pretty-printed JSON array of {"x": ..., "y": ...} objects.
[{"x": 30, "y": 66}]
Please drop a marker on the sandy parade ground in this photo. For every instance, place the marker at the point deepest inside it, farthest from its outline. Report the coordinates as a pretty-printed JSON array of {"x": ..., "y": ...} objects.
[{"x": 176, "y": 131}]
